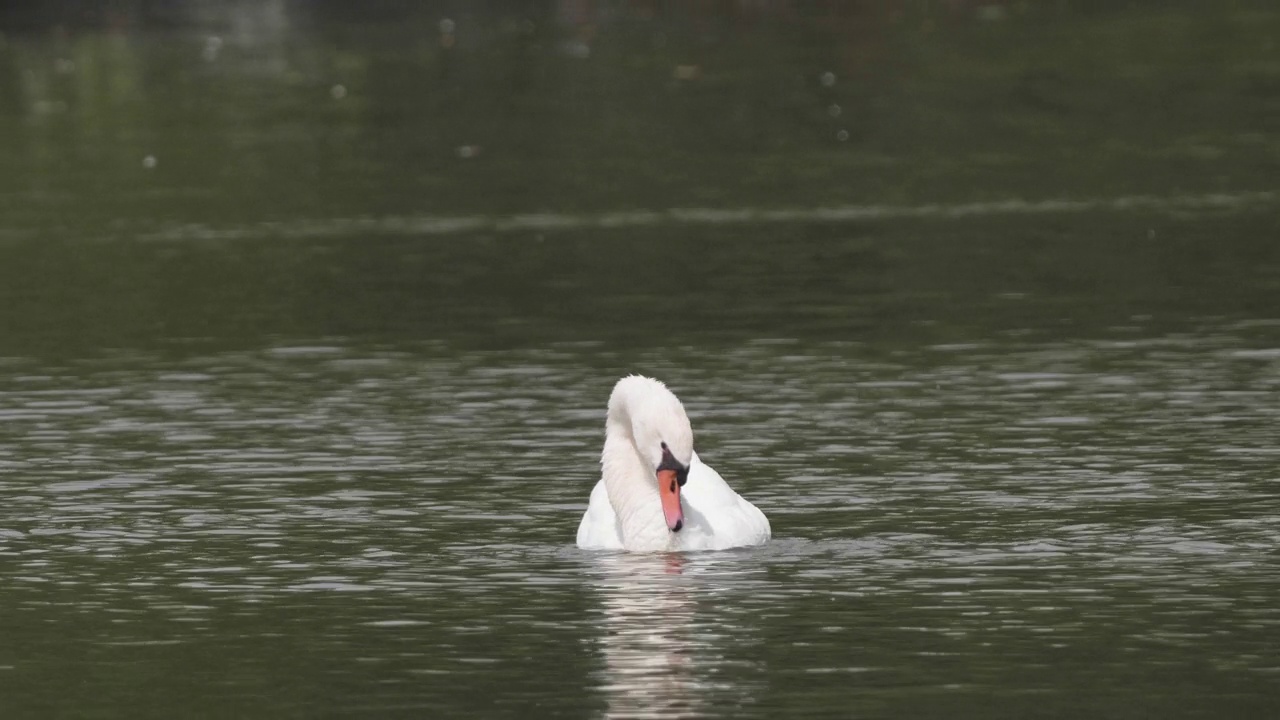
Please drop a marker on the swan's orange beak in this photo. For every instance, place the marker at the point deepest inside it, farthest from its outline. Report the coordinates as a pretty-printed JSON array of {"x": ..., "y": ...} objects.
[{"x": 669, "y": 489}]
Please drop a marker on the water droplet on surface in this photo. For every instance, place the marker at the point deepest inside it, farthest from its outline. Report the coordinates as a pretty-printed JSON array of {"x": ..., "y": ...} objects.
[
  {"x": 687, "y": 72},
  {"x": 577, "y": 49},
  {"x": 843, "y": 136},
  {"x": 149, "y": 162},
  {"x": 828, "y": 79},
  {"x": 991, "y": 13},
  {"x": 64, "y": 66},
  {"x": 338, "y": 92},
  {"x": 834, "y": 110},
  {"x": 212, "y": 45},
  {"x": 468, "y": 151},
  {"x": 447, "y": 39},
  {"x": 50, "y": 107}
]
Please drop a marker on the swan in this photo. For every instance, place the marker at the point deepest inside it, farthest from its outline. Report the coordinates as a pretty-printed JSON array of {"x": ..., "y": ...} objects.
[{"x": 654, "y": 493}]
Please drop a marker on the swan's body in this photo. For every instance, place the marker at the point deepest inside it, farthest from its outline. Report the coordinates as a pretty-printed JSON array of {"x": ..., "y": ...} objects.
[{"x": 639, "y": 505}]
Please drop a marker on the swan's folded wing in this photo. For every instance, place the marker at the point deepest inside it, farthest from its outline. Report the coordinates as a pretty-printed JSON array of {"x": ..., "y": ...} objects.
[
  {"x": 733, "y": 520},
  {"x": 599, "y": 529}
]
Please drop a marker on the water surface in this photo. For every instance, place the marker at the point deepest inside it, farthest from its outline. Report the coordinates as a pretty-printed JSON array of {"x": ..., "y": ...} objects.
[{"x": 299, "y": 417}]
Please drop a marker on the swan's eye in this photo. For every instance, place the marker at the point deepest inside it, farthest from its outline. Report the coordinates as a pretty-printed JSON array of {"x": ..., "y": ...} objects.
[{"x": 669, "y": 462}]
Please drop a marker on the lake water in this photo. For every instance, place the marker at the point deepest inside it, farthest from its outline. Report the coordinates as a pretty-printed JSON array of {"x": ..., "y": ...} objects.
[{"x": 299, "y": 417}]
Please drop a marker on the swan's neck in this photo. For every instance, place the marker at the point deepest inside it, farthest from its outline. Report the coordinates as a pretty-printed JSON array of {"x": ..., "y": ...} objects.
[{"x": 633, "y": 492}]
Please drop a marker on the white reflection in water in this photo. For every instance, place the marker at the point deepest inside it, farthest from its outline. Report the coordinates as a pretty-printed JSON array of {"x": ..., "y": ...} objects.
[{"x": 649, "y": 638}]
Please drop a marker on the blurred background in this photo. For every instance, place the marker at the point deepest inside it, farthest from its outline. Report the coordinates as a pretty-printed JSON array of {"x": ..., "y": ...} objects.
[
  {"x": 220, "y": 112},
  {"x": 309, "y": 311},
  {"x": 184, "y": 120}
]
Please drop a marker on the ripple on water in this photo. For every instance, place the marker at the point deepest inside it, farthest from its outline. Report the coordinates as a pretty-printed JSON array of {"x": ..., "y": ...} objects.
[{"x": 1008, "y": 508}]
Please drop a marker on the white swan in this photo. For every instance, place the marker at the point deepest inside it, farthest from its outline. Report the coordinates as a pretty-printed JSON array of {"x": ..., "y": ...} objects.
[{"x": 654, "y": 493}]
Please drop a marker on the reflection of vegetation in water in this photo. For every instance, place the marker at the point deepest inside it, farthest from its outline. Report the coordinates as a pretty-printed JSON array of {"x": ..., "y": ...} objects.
[
  {"x": 902, "y": 283},
  {"x": 325, "y": 118}
]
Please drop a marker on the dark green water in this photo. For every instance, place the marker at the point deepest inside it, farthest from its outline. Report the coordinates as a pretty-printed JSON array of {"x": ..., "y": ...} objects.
[{"x": 299, "y": 419}]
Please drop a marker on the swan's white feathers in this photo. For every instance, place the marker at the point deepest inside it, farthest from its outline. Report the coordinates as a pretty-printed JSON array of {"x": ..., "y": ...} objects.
[
  {"x": 599, "y": 528},
  {"x": 655, "y": 416}
]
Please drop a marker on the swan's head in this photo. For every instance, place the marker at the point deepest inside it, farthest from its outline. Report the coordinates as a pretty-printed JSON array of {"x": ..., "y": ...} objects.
[{"x": 663, "y": 438}]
